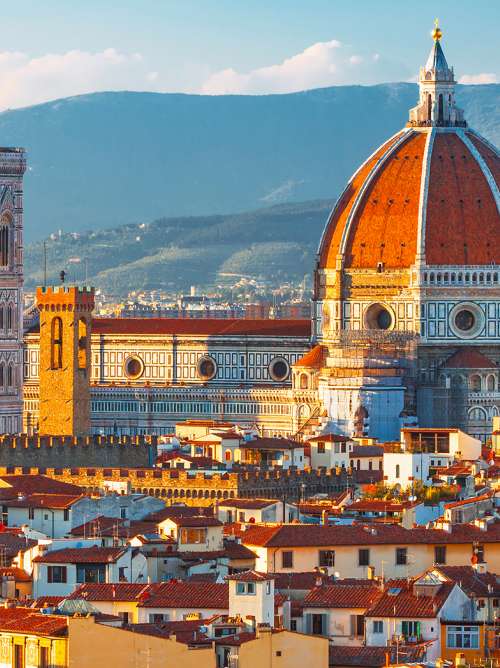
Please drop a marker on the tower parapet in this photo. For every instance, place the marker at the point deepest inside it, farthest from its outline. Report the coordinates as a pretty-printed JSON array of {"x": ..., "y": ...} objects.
[{"x": 65, "y": 363}]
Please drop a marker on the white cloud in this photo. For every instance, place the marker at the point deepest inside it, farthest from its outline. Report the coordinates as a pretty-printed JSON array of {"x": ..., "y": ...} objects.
[
  {"x": 482, "y": 78},
  {"x": 322, "y": 64},
  {"x": 25, "y": 80}
]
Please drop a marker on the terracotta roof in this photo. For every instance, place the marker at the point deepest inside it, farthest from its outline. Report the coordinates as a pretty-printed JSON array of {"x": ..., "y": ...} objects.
[
  {"x": 374, "y": 657},
  {"x": 204, "y": 326},
  {"x": 313, "y": 535},
  {"x": 305, "y": 580},
  {"x": 54, "y": 501},
  {"x": 32, "y": 622},
  {"x": 473, "y": 499},
  {"x": 120, "y": 591},
  {"x": 11, "y": 544},
  {"x": 404, "y": 602},
  {"x": 250, "y": 576},
  {"x": 47, "y": 601},
  {"x": 36, "y": 484},
  {"x": 185, "y": 631},
  {"x": 247, "y": 504},
  {"x": 177, "y": 511},
  {"x": 343, "y": 596},
  {"x": 269, "y": 443},
  {"x": 235, "y": 550},
  {"x": 469, "y": 358},
  {"x": 111, "y": 526},
  {"x": 18, "y": 574},
  {"x": 363, "y": 477},
  {"x": 462, "y": 222},
  {"x": 473, "y": 583},
  {"x": 88, "y": 555},
  {"x": 314, "y": 359},
  {"x": 378, "y": 505},
  {"x": 194, "y": 595}
]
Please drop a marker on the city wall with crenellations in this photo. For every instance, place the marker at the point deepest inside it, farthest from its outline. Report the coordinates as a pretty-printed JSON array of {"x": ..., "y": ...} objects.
[
  {"x": 71, "y": 451},
  {"x": 197, "y": 488}
]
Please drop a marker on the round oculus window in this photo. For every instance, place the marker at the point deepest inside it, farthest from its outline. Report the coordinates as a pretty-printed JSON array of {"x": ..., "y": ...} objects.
[
  {"x": 279, "y": 369},
  {"x": 133, "y": 367},
  {"x": 465, "y": 320},
  {"x": 378, "y": 316},
  {"x": 207, "y": 368}
]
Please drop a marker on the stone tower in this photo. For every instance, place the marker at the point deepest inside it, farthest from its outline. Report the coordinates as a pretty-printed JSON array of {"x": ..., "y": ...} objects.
[
  {"x": 12, "y": 167},
  {"x": 65, "y": 363}
]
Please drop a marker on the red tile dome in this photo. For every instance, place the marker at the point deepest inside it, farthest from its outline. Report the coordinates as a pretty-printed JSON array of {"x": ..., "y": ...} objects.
[{"x": 428, "y": 191}]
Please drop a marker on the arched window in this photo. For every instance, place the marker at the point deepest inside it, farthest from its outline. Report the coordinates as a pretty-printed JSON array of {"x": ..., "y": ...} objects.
[
  {"x": 82, "y": 343},
  {"x": 440, "y": 108},
  {"x": 475, "y": 383},
  {"x": 304, "y": 381},
  {"x": 490, "y": 384},
  {"x": 227, "y": 455},
  {"x": 5, "y": 222},
  {"x": 478, "y": 413},
  {"x": 397, "y": 470},
  {"x": 10, "y": 376},
  {"x": 429, "y": 107},
  {"x": 10, "y": 317},
  {"x": 56, "y": 344}
]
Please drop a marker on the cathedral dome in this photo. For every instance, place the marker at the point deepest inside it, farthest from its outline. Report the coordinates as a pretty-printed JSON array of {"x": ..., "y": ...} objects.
[{"x": 429, "y": 194}]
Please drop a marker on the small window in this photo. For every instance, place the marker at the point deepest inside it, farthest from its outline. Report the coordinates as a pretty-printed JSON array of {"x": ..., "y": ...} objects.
[
  {"x": 321, "y": 448},
  {"x": 326, "y": 558},
  {"x": 66, "y": 515},
  {"x": 440, "y": 554},
  {"x": 397, "y": 471},
  {"x": 401, "y": 556},
  {"x": 31, "y": 513},
  {"x": 250, "y": 587},
  {"x": 364, "y": 557},
  {"x": 378, "y": 626},
  {"x": 240, "y": 588},
  {"x": 56, "y": 574},
  {"x": 268, "y": 587},
  {"x": 287, "y": 559}
]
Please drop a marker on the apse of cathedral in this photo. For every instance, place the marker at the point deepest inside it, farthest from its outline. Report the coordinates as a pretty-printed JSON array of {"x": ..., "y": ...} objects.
[{"x": 406, "y": 309}]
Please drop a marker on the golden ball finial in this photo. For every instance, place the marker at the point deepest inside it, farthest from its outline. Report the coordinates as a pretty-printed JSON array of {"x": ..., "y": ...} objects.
[{"x": 437, "y": 32}]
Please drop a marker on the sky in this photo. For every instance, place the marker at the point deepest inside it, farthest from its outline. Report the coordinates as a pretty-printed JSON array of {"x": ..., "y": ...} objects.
[{"x": 59, "y": 48}]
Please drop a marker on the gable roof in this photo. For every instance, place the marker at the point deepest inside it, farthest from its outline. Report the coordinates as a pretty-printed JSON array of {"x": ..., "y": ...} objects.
[
  {"x": 250, "y": 576},
  {"x": 400, "y": 600},
  {"x": 53, "y": 501},
  {"x": 469, "y": 358},
  {"x": 472, "y": 582},
  {"x": 119, "y": 591}
]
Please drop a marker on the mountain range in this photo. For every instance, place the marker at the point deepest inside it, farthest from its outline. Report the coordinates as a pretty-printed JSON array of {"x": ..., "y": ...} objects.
[{"x": 155, "y": 189}]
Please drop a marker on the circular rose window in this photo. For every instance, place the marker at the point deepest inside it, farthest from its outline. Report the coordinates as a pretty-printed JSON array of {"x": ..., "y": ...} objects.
[
  {"x": 133, "y": 367},
  {"x": 466, "y": 320},
  {"x": 207, "y": 368},
  {"x": 378, "y": 316},
  {"x": 279, "y": 369}
]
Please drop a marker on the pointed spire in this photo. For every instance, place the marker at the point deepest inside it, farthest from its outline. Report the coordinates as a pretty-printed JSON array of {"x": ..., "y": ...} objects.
[{"x": 437, "y": 90}]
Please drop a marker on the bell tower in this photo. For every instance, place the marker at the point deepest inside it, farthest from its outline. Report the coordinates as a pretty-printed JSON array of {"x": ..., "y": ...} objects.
[
  {"x": 12, "y": 168},
  {"x": 65, "y": 364}
]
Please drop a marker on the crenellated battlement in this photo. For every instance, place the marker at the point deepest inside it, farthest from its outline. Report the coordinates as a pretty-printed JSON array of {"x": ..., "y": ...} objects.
[
  {"x": 69, "y": 451},
  {"x": 196, "y": 487},
  {"x": 50, "y": 297}
]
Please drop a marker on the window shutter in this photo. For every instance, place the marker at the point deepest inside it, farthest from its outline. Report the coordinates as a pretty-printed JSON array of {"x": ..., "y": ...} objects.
[
  {"x": 49, "y": 574},
  {"x": 308, "y": 621},
  {"x": 325, "y": 625},
  {"x": 353, "y": 625}
]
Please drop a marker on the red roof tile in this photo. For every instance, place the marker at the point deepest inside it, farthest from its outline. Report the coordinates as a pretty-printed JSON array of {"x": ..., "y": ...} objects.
[
  {"x": 408, "y": 604},
  {"x": 307, "y": 535},
  {"x": 473, "y": 583},
  {"x": 193, "y": 595},
  {"x": 469, "y": 358},
  {"x": 343, "y": 596},
  {"x": 250, "y": 576},
  {"x": 36, "y": 484},
  {"x": 203, "y": 326},
  {"x": 314, "y": 359},
  {"x": 54, "y": 501},
  {"x": 18, "y": 574},
  {"x": 235, "y": 550},
  {"x": 330, "y": 438},
  {"x": 120, "y": 591},
  {"x": 247, "y": 504},
  {"x": 31, "y": 622},
  {"x": 196, "y": 521},
  {"x": 89, "y": 555}
]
